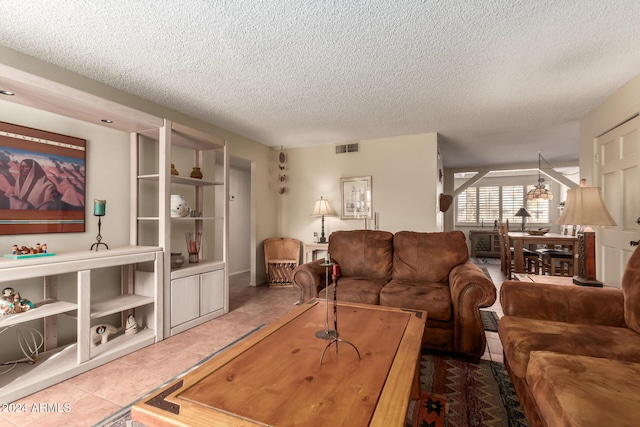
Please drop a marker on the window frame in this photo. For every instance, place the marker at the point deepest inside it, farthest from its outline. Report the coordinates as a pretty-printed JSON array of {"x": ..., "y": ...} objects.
[{"x": 480, "y": 221}]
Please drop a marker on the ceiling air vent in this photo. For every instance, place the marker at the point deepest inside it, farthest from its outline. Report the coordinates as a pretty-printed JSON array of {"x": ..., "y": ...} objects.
[{"x": 347, "y": 148}]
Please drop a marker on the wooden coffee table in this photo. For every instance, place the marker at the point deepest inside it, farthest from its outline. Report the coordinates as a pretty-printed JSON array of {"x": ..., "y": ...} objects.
[{"x": 274, "y": 377}]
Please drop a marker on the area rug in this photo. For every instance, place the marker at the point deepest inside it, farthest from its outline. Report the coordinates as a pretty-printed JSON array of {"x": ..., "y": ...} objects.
[
  {"x": 480, "y": 261},
  {"x": 474, "y": 395},
  {"x": 430, "y": 411},
  {"x": 486, "y": 273},
  {"x": 490, "y": 320}
]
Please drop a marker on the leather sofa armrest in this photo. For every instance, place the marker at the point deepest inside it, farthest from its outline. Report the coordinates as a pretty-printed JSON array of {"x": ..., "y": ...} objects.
[
  {"x": 571, "y": 304},
  {"x": 310, "y": 279},
  {"x": 470, "y": 289}
]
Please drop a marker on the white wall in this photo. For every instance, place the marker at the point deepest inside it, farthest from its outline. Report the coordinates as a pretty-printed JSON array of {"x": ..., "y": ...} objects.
[{"x": 404, "y": 176}]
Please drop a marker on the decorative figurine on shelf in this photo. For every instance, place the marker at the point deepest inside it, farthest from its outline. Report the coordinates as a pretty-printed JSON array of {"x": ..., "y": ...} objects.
[
  {"x": 174, "y": 171},
  {"x": 20, "y": 304},
  {"x": 26, "y": 250},
  {"x": 6, "y": 301},
  {"x": 131, "y": 326},
  {"x": 101, "y": 333},
  {"x": 11, "y": 302}
]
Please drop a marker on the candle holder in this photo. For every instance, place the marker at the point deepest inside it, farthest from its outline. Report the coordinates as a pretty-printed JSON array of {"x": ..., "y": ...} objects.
[
  {"x": 99, "y": 210},
  {"x": 335, "y": 336},
  {"x": 193, "y": 246},
  {"x": 326, "y": 333}
]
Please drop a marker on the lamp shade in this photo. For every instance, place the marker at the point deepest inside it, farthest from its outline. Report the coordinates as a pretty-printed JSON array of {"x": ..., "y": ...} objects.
[
  {"x": 585, "y": 206},
  {"x": 322, "y": 208},
  {"x": 522, "y": 212}
]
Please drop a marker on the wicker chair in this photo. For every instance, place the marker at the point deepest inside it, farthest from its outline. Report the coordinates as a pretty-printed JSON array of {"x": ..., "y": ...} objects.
[{"x": 281, "y": 256}]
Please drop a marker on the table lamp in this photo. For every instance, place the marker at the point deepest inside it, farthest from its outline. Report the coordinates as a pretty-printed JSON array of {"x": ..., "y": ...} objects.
[
  {"x": 321, "y": 209},
  {"x": 585, "y": 207},
  {"x": 524, "y": 214}
]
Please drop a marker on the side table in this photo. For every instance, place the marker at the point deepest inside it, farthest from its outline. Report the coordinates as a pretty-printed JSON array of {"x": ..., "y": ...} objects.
[{"x": 312, "y": 248}]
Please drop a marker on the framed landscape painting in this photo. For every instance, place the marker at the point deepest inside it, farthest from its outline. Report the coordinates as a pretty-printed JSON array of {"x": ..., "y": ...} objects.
[
  {"x": 42, "y": 181},
  {"x": 357, "y": 200}
]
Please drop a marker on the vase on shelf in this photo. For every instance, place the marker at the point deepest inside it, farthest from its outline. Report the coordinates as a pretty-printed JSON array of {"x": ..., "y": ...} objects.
[
  {"x": 179, "y": 206},
  {"x": 177, "y": 259},
  {"x": 193, "y": 245},
  {"x": 196, "y": 173},
  {"x": 174, "y": 171}
]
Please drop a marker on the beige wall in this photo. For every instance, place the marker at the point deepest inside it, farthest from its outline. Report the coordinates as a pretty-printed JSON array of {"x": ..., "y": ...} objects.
[{"x": 404, "y": 174}]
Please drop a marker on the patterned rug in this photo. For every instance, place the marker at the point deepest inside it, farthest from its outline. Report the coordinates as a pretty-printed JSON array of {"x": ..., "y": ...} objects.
[
  {"x": 475, "y": 395},
  {"x": 480, "y": 261},
  {"x": 490, "y": 320},
  {"x": 430, "y": 411}
]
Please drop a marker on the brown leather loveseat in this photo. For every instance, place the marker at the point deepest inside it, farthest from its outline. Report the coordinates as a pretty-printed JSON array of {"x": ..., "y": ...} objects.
[
  {"x": 424, "y": 271},
  {"x": 573, "y": 352}
]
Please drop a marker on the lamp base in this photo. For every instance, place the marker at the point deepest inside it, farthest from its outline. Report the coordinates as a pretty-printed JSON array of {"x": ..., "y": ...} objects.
[
  {"x": 583, "y": 281},
  {"x": 322, "y": 240}
]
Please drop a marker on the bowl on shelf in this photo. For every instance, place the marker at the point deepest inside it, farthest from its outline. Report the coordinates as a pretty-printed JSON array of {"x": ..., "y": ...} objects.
[{"x": 538, "y": 232}]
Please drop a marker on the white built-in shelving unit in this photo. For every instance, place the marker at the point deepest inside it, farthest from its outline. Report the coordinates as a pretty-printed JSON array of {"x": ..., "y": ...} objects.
[
  {"x": 195, "y": 292},
  {"x": 140, "y": 295}
]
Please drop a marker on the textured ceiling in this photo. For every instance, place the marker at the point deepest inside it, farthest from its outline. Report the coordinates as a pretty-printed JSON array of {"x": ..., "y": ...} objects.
[{"x": 500, "y": 80}]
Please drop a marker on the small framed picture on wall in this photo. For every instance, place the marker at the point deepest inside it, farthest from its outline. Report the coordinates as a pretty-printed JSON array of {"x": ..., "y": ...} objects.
[{"x": 357, "y": 200}]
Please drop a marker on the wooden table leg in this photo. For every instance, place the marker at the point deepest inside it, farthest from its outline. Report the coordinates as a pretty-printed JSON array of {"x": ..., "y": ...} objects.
[{"x": 518, "y": 256}]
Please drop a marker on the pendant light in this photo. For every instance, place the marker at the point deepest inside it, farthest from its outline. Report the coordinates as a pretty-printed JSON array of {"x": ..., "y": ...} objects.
[{"x": 540, "y": 192}]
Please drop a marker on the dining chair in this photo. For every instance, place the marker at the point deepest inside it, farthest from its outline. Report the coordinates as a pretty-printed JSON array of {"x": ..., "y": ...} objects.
[
  {"x": 531, "y": 258},
  {"x": 556, "y": 262}
]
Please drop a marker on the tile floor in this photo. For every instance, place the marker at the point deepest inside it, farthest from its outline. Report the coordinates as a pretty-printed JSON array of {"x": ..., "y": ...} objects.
[{"x": 94, "y": 395}]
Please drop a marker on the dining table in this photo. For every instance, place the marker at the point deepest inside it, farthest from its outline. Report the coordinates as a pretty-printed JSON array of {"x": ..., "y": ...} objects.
[{"x": 532, "y": 241}]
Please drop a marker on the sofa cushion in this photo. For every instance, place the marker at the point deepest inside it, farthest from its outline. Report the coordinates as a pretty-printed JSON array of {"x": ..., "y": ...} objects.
[
  {"x": 574, "y": 390},
  {"x": 427, "y": 257},
  {"x": 631, "y": 291},
  {"x": 364, "y": 290},
  {"x": 520, "y": 336},
  {"x": 434, "y": 298},
  {"x": 362, "y": 253}
]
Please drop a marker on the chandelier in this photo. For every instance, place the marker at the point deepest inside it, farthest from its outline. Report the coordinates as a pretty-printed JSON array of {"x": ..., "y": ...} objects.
[{"x": 540, "y": 192}]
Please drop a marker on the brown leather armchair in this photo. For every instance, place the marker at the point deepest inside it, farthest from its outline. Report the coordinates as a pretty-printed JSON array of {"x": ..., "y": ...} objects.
[
  {"x": 422, "y": 271},
  {"x": 569, "y": 349}
]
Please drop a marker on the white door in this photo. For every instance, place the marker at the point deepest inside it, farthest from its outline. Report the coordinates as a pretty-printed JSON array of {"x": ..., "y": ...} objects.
[{"x": 617, "y": 171}]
